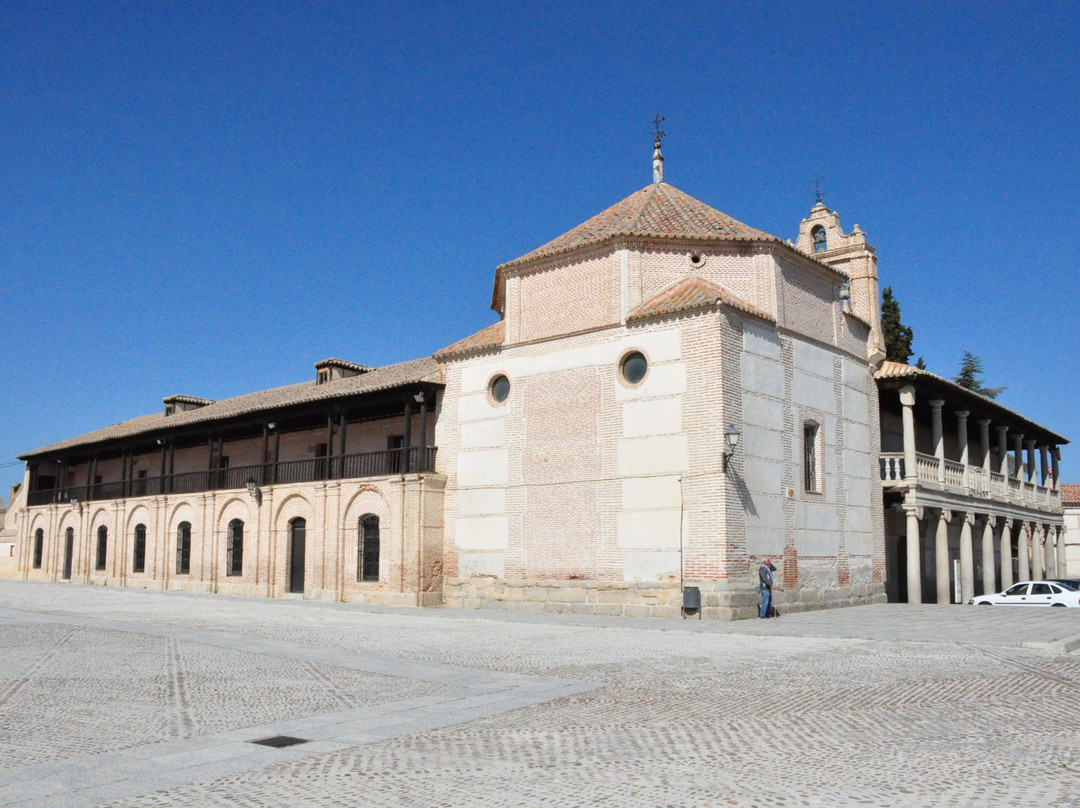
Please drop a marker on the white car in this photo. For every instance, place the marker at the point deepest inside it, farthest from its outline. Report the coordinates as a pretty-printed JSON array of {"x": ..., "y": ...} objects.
[{"x": 1033, "y": 593}]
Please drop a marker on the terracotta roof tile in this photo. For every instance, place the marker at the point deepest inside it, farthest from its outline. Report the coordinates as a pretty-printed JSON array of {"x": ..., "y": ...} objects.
[
  {"x": 1070, "y": 494},
  {"x": 656, "y": 211},
  {"x": 688, "y": 294},
  {"x": 490, "y": 337},
  {"x": 383, "y": 378},
  {"x": 899, "y": 370}
]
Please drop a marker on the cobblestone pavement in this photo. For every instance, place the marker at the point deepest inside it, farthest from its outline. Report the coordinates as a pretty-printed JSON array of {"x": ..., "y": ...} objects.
[{"x": 132, "y": 698}]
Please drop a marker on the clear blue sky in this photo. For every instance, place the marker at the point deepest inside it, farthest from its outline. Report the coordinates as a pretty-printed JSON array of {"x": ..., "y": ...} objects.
[{"x": 207, "y": 198}]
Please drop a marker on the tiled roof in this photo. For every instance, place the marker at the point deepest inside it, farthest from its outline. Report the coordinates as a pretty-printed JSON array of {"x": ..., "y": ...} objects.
[
  {"x": 490, "y": 337},
  {"x": 898, "y": 370},
  {"x": 188, "y": 400},
  {"x": 403, "y": 373},
  {"x": 656, "y": 211},
  {"x": 1070, "y": 494},
  {"x": 341, "y": 363},
  {"x": 688, "y": 294}
]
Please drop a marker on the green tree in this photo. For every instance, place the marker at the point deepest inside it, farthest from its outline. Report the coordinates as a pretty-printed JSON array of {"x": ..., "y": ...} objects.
[
  {"x": 970, "y": 376},
  {"x": 897, "y": 336}
]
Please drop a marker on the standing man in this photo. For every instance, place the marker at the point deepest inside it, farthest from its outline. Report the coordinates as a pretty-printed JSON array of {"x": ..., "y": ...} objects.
[{"x": 765, "y": 584}]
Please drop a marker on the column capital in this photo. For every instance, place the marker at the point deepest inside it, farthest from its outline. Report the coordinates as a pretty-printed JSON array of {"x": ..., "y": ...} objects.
[
  {"x": 907, "y": 396},
  {"x": 983, "y": 422},
  {"x": 936, "y": 403},
  {"x": 1001, "y": 429},
  {"x": 918, "y": 511},
  {"x": 991, "y": 520},
  {"x": 946, "y": 515},
  {"x": 969, "y": 517},
  {"x": 1030, "y": 443},
  {"x": 962, "y": 414}
]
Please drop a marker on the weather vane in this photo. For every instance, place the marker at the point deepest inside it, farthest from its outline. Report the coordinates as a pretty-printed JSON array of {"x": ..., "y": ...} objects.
[
  {"x": 656, "y": 128},
  {"x": 816, "y": 182}
]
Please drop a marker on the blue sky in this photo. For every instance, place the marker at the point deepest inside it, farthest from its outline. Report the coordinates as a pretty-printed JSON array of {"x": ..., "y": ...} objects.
[{"x": 207, "y": 198}]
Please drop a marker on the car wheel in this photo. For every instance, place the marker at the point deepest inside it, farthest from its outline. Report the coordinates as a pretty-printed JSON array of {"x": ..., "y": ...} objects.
[
  {"x": 986, "y": 603},
  {"x": 1055, "y": 605}
]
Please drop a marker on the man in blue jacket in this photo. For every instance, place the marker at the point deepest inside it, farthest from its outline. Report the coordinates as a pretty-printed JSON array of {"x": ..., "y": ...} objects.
[{"x": 765, "y": 584}]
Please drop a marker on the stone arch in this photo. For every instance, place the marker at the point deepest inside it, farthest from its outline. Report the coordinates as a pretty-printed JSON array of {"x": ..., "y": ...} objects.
[
  {"x": 291, "y": 507},
  {"x": 182, "y": 512},
  {"x": 99, "y": 517},
  {"x": 236, "y": 508},
  {"x": 139, "y": 515},
  {"x": 367, "y": 499}
]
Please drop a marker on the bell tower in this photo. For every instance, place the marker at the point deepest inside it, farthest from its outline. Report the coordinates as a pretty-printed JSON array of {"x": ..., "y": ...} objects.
[{"x": 821, "y": 236}]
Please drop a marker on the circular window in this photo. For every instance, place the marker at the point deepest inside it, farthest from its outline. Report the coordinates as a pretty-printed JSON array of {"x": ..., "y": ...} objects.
[
  {"x": 634, "y": 367},
  {"x": 499, "y": 388}
]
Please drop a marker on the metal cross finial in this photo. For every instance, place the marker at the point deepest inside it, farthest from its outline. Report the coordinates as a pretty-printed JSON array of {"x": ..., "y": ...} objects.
[
  {"x": 656, "y": 128},
  {"x": 816, "y": 182}
]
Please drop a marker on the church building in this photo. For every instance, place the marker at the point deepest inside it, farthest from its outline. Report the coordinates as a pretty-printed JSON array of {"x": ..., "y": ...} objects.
[{"x": 668, "y": 396}]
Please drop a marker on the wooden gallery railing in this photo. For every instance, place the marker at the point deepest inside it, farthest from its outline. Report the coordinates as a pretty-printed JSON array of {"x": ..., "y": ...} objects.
[{"x": 345, "y": 467}]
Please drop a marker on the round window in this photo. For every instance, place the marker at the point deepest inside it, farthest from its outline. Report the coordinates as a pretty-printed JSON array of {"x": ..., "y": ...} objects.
[
  {"x": 500, "y": 389},
  {"x": 634, "y": 367}
]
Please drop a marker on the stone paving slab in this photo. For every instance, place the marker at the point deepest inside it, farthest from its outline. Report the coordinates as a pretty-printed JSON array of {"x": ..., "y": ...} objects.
[{"x": 132, "y": 698}]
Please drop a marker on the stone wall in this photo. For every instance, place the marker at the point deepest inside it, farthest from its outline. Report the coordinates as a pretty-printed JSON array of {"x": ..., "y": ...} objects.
[{"x": 721, "y": 600}]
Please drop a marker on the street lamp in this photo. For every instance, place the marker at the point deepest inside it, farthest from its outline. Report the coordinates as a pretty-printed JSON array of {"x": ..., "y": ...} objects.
[
  {"x": 253, "y": 490},
  {"x": 731, "y": 435}
]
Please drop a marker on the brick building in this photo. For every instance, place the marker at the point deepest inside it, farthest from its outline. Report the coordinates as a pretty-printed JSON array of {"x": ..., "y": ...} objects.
[{"x": 668, "y": 395}]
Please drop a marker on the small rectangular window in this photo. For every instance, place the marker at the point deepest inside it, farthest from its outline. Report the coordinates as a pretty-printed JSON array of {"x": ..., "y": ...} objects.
[{"x": 811, "y": 478}]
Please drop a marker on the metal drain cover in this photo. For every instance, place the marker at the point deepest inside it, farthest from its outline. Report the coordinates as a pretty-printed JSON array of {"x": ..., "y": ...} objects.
[{"x": 280, "y": 741}]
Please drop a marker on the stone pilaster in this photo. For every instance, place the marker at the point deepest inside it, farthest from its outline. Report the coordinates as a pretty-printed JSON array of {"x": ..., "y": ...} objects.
[{"x": 914, "y": 554}]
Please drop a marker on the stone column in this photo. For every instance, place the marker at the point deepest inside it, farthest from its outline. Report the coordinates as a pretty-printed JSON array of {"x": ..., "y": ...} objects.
[
  {"x": 962, "y": 443},
  {"x": 967, "y": 559},
  {"x": 941, "y": 557},
  {"x": 914, "y": 554},
  {"x": 907, "y": 399},
  {"x": 1018, "y": 456},
  {"x": 984, "y": 440},
  {"x": 1030, "y": 446},
  {"x": 939, "y": 437},
  {"x": 1023, "y": 562},
  {"x": 1006, "y": 554},
  {"x": 1055, "y": 452},
  {"x": 1003, "y": 450},
  {"x": 1044, "y": 466},
  {"x": 988, "y": 581},
  {"x": 1060, "y": 545},
  {"x": 1036, "y": 552},
  {"x": 1049, "y": 552}
]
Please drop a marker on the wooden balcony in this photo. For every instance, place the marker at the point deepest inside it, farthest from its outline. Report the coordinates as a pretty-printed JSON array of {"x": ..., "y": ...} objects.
[{"x": 346, "y": 467}]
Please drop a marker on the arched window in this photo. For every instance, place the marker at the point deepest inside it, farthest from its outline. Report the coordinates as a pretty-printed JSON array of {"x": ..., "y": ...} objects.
[
  {"x": 367, "y": 561},
  {"x": 234, "y": 562},
  {"x": 138, "y": 550},
  {"x": 69, "y": 552},
  {"x": 102, "y": 543},
  {"x": 39, "y": 547},
  {"x": 183, "y": 548},
  {"x": 820, "y": 243}
]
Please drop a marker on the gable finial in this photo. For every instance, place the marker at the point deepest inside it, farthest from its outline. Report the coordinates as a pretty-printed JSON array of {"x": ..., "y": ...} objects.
[{"x": 657, "y": 158}]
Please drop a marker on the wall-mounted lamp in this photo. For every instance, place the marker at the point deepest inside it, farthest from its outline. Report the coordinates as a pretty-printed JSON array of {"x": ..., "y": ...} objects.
[
  {"x": 419, "y": 397},
  {"x": 253, "y": 490},
  {"x": 271, "y": 425},
  {"x": 160, "y": 441},
  {"x": 75, "y": 504},
  {"x": 731, "y": 436}
]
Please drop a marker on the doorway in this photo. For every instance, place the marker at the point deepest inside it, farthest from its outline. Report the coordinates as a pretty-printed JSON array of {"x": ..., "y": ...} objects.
[{"x": 297, "y": 540}]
